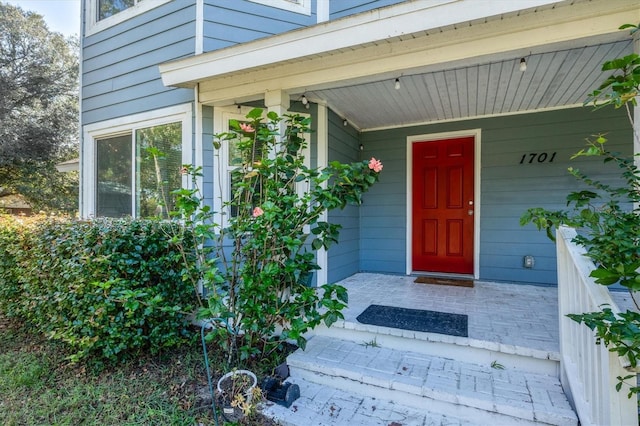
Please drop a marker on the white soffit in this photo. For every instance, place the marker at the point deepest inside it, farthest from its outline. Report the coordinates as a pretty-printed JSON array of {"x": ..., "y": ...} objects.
[
  {"x": 397, "y": 21},
  {"x": 564, "y": 26}
]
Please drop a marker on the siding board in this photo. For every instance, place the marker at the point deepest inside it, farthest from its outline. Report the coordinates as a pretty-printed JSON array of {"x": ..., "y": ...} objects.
[
  {"x": 343, "y": 259},
  {"x": 120, "y": 64},
  {"x": 342, "y": 8},
  {"x": 240, "y": 21},
  {"x": 507, "y": 187}
]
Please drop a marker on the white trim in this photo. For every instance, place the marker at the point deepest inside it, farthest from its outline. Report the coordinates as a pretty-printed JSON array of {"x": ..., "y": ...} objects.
[
  {"x": 93, "y": 25},
  {"x": 322, "y": 11},
  {"x": 475, "y": 117},
  {"x": 227, "y": 76},
  {"x": 322, "y": 159},
  {"x": 221, "y": 167},
  {"x": 116, "y": 126},
  {"x": 636, "y": 112},
  {"x": 476, "y": 134},
  {"x": 221, "y": 117},
  {"x": 391, "y": 38},
  {"x": 298, "y": 6},
  {"x": 82, "y": 156},
  {"x": 198, "y": 159}
]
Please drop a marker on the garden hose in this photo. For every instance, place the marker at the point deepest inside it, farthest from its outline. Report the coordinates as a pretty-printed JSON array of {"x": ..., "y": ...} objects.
[{"x": 206, "y": 361}]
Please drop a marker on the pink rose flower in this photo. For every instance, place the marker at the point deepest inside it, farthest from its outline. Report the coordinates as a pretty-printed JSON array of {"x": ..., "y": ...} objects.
[
  {"x": 375, "y": 165},
  {"x": 247, "y": 128},
  {"x": 257, "y": 212},
  {"x": 184, "y": 170}
]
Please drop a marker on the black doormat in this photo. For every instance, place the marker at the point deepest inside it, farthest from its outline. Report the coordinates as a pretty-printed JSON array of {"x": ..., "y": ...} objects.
[
  {"x": 460, "y": 282},
  {"x": 416, "y": 320}
]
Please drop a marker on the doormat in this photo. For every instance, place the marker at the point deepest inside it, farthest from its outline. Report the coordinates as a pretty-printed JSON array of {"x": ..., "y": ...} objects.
[
  {"x": 416, "y": 320},
  {"x": 460, "y": 282}
]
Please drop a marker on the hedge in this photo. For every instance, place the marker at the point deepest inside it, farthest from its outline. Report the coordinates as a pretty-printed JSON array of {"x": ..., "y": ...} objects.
[{"x": 109, "y": 288}]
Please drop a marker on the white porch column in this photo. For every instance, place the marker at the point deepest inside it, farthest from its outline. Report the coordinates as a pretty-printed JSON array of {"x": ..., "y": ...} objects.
[
  {"x": 197, "y": 156},
  {"x": 322, "y": 10},
  {"x": 636, "y": 110},
  {"x": 323, "y": 161},
  {"x": 277, "y": 101}
]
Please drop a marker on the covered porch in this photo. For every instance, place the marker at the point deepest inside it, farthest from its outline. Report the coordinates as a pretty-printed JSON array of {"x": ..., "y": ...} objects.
[
  {"x": 511, "y": 316},
  {"x": 505, "y": 372},
  {"x": 378, "y": 83}
]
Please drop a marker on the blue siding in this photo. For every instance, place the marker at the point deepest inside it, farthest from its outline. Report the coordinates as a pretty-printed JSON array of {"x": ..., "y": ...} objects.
[
  {"x": 343, "y": 258},
  {"x": 208, "y": 153},
  {"x": 120, "y": 73},
  {"x": 508, "y": 188},
  {"x": 229, "y": 22},
  {"x": 342, "y": 8}
]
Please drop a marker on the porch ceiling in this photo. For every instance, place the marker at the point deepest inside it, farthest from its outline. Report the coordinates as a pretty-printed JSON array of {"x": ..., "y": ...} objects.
[
  {"x": 553, "y": 79},
  {"x": 454, "y": 60}
]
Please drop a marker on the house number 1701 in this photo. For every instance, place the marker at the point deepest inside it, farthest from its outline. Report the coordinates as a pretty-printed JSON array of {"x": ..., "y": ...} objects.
[{"x": 538, "y": 157}]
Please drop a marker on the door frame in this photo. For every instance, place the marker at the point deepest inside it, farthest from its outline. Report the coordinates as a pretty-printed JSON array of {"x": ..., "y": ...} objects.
[{"x": 434, "y": 137}]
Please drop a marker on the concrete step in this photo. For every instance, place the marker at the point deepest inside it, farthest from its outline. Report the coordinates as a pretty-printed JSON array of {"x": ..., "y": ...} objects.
[
  {"x": 468, "y": 392},
  {"x": 483, "y": 352},
  {"x": 321, "y": 405}
]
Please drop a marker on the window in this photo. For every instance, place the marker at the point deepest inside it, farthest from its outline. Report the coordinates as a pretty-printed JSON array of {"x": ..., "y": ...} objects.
[
  {"x": 228, "y": 158},
  {"x": 158, "y": 161},
  {"x": 107, "y": 8},
  {"x": 102, "y": 14},
  {"x": 298, "y": 6},
  {"x": 113, "y": 193},
  {"x": 137, "y": 165},
  {"x": 157, "y": 156}
]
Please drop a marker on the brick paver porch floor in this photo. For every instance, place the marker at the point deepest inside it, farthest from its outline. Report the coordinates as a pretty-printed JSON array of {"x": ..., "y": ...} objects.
[{"x": 513, "y": 314}]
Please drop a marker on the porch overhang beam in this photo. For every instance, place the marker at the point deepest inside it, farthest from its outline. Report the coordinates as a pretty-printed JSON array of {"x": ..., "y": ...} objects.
[
  {"x": 373, "y": 26},
  {"x": 558, "y": 28}
]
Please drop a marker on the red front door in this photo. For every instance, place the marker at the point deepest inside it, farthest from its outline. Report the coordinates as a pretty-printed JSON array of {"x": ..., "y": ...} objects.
[{"x": 443, "y": 206}]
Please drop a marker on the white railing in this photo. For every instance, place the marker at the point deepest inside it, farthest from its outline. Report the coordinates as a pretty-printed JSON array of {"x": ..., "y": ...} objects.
[{"x": 588, "y": 371}]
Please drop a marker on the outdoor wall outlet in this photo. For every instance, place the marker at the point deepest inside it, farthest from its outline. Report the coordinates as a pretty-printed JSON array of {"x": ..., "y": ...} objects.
[{"x": 528, "y": 262}]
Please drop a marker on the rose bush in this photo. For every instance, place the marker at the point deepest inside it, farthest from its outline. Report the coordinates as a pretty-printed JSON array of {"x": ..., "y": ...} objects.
[{"x": 256, "y": 254}]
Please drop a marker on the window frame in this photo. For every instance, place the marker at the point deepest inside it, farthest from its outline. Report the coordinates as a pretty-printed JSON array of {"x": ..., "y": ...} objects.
[
  {"x": 302, "y": 7},
  {"x": 222, "y": 169},
  {"x": 93, "y": 25},
  {"x": 123, "y": 126}
]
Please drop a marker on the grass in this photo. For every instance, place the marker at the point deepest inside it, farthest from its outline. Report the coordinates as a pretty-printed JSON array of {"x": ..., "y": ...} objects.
[{"x": 40, "y": 387}]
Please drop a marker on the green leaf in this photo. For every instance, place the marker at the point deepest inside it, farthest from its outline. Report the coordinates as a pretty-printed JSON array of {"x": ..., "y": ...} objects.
[
  {"x": 604, "y": 276},
  {"x": 330, "y": 319},
  {"x": 255, "y": 114}
]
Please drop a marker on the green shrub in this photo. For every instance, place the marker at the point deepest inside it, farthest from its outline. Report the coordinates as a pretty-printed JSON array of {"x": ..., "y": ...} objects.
[
  {"x": 12, "y": 236},
  {"x": 108, "y": 287}
]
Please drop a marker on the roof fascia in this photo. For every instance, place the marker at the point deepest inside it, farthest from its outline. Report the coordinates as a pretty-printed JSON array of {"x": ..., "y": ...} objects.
[
  {"x": 509, "y": 38},
  {"x": 368, "y": 27}
]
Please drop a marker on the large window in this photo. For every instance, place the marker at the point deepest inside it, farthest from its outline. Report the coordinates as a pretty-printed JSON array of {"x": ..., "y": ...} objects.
[
  {"x": 113, "y": 192},
  {"x": 157, "y": 159},
  {"x": 228, "y": 158},
  {"x": 158, "y": 164},
  {"x": 107, "y": 8},
  {"x": 103, "y": 14},
  {"x": 137, "y": 164}
]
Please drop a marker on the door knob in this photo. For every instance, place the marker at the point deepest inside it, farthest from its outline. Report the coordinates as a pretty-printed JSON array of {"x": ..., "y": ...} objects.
[{"x": 470, "y": 212}]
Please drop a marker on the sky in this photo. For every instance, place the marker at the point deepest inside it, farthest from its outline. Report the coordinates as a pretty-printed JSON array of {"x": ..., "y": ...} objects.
[{"x": 62, "y": 16}]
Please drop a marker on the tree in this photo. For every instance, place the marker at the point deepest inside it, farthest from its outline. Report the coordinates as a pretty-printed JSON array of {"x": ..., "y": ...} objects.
[{"x": 38, "y": 109}]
